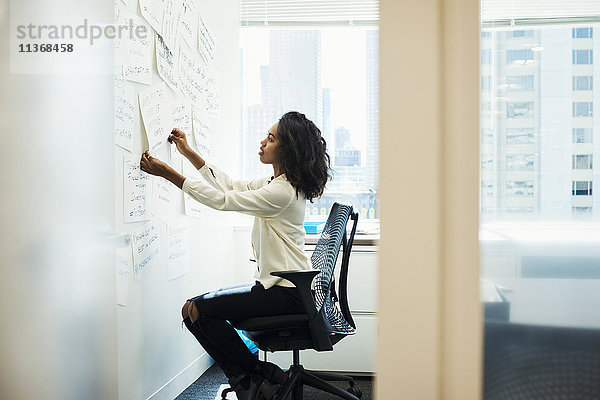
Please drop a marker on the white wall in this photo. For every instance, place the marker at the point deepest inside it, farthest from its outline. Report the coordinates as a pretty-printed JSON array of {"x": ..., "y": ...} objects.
[{"x": 157, "y": 358}]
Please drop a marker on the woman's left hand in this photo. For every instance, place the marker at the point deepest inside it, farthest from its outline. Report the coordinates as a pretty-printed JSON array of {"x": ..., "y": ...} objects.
[{"x": 152, "y": 165}]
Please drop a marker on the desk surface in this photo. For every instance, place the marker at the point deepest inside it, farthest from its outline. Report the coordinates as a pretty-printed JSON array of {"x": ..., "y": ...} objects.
[
  {"x": 359, "y": 240},
  {"x": 554, "y": 302}
]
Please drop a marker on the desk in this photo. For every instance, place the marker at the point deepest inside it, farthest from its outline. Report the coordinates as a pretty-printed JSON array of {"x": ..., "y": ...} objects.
[
  {"x": 554, "y": 302},
  {"x": 359, "y": 240}
]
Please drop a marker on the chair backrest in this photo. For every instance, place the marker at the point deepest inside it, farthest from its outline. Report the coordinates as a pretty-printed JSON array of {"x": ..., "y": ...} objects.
[{"x": 324, "y": 258}]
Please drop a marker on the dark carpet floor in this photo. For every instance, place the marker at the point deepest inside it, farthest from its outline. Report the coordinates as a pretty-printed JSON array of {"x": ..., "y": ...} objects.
[{"x": 207, "y": 387}]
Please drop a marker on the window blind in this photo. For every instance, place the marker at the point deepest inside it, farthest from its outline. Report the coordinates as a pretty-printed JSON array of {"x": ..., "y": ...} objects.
[
  {"x": 308, "y": 12},
  {"x": 502, "y": 13}
]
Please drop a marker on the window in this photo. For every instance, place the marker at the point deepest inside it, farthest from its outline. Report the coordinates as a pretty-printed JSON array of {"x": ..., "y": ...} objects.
[
  {"x": 519, "y": 162},
  {"x": 519, "y": 110},
  {"x": 582, "y": 210},
  {"x": 487, "y": 188},
  {"x": 583, "y": 108},
  {"x": 581, "y": 188},
  {"x": 331, "y": 75},
  {"x": 582, "y": 161},
  {"x": 520, "y": 33},
  {"x": 486, "y": 56},
  {"x": 519, "y": 136},
  {"x": 582, "y": 32},
  {"x": 486, "y": 109},
  {"x": 519, "y": 188},
  {"x": 535, "y": 162},
  {"x": 487, "y": 161},
  {"x": 583, "y": 57},
  {"x": 583, "y": 82},
  {"x": 518, "y": 56},
  {"x": 487, "y": 135},
  {"x": 519, "y": 83},
  {"x": 486, "y": 82},
  {"x": 582, "y": 135}
]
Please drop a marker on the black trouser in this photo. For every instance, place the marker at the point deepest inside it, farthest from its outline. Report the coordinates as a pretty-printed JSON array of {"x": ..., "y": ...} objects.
[{"x": 236, "y": 303}]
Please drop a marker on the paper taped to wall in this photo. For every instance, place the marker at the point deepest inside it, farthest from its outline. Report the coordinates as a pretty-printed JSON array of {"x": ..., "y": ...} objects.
[{"x": 156, "y": 109}]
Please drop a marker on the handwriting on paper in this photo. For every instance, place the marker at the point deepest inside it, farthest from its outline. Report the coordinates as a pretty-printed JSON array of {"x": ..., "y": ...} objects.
[
  {"x": 171, "y": 23},
  {"x": 190, "y": 76},
  {"x": 198, "y": 83},
  {"x": 165, "y": 62},
  {"x": 206, "y": 43},
  {"x": 124, "y": 112},
  {"x": 139, "y": 67},
  {"x": 212, "y": 100},
  {"x": 192, "y": 207},
  {"x": 136, "y": 187},
  {"x": 188, "y": 19},
  {"x": 153, "y": 10},
  {"x": 182, "y": 120},
  {"x": 146, "y": 248},
  {"x": 162, "y": 198},
  {"x": 156, "y": 114},
  {"x": 124, "y": 263},
  {"x": 202, "y": 132},
  {"x": 121, "y": 41},
  {"x": 179, "y": 237}
]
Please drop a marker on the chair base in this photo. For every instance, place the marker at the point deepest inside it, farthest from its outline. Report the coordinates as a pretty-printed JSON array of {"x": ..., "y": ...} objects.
[{"x": 298, "y": 377}]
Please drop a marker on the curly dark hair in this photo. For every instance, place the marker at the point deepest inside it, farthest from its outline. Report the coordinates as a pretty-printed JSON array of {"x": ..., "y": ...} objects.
[{"x": 303, "y": 154}]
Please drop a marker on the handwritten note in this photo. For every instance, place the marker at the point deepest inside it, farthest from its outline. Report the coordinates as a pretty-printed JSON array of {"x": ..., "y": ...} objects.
[
  {"x": 171, "y": 22},
  {"x": 182, "y": 120},
  {"x": 136, "y": 187},
  {"x": 179, "y": 247},
  {"x": 206, "y": 43},
  {"x": 202, "y": 132},
  {"x": 146, "y": 248},
  {"x": 212, "y": 97},
  {"x": 198, "y": 83},
  {"x": 139, "y": 68},
  {"x": 165, "y": 62},
  {"x": 153, "y": 10},
  {"x": 124, "y": 112},
  {"x": 190, "y": 75},
  {"x": 121, "y": 41},
  {"x": 192, "y": 207},
  {"x": 162, "y": 198},
  {"x": 123, "y": 258},
  {"x": 156, "y": 113},
  {"x": 188, "y": 20}
]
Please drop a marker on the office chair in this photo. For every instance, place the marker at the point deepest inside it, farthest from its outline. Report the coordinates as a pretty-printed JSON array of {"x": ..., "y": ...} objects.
[{"x": 327, "y": 319}]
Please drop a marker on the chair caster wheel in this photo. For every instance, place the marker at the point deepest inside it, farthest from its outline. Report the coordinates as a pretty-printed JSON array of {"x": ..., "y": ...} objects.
[
  {"x": 225, "y": 392},
  {"x": 355, "y": 390}
]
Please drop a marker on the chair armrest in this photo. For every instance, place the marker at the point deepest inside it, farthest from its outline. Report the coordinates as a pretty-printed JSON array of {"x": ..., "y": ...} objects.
[{"x": 302, "y": 279}]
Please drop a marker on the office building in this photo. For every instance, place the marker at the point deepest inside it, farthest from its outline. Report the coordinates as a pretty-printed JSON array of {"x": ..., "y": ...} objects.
[
  {"x": 537, "y": 123},
  {"x": 372, "y": 104},
  {"x": 294, "y": 74}
]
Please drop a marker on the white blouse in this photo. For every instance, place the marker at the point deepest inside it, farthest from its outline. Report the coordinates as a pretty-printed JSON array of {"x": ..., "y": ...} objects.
[{"x": 278, "y": 231}]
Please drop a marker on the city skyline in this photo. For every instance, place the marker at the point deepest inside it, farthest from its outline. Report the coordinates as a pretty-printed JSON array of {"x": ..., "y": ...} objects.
[{"x": 294, "y": 79}]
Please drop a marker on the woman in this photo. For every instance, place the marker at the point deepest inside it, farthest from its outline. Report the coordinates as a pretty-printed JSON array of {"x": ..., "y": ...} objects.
[{"x": 297, "y": 152}]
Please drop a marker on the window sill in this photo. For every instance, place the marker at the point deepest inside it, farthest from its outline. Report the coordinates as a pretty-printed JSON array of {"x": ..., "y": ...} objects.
[{"x": 363, "y": 237}]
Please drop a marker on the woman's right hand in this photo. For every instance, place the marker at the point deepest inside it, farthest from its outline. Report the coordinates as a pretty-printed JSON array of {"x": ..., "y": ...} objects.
[{"x": 180, "y": 140}]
